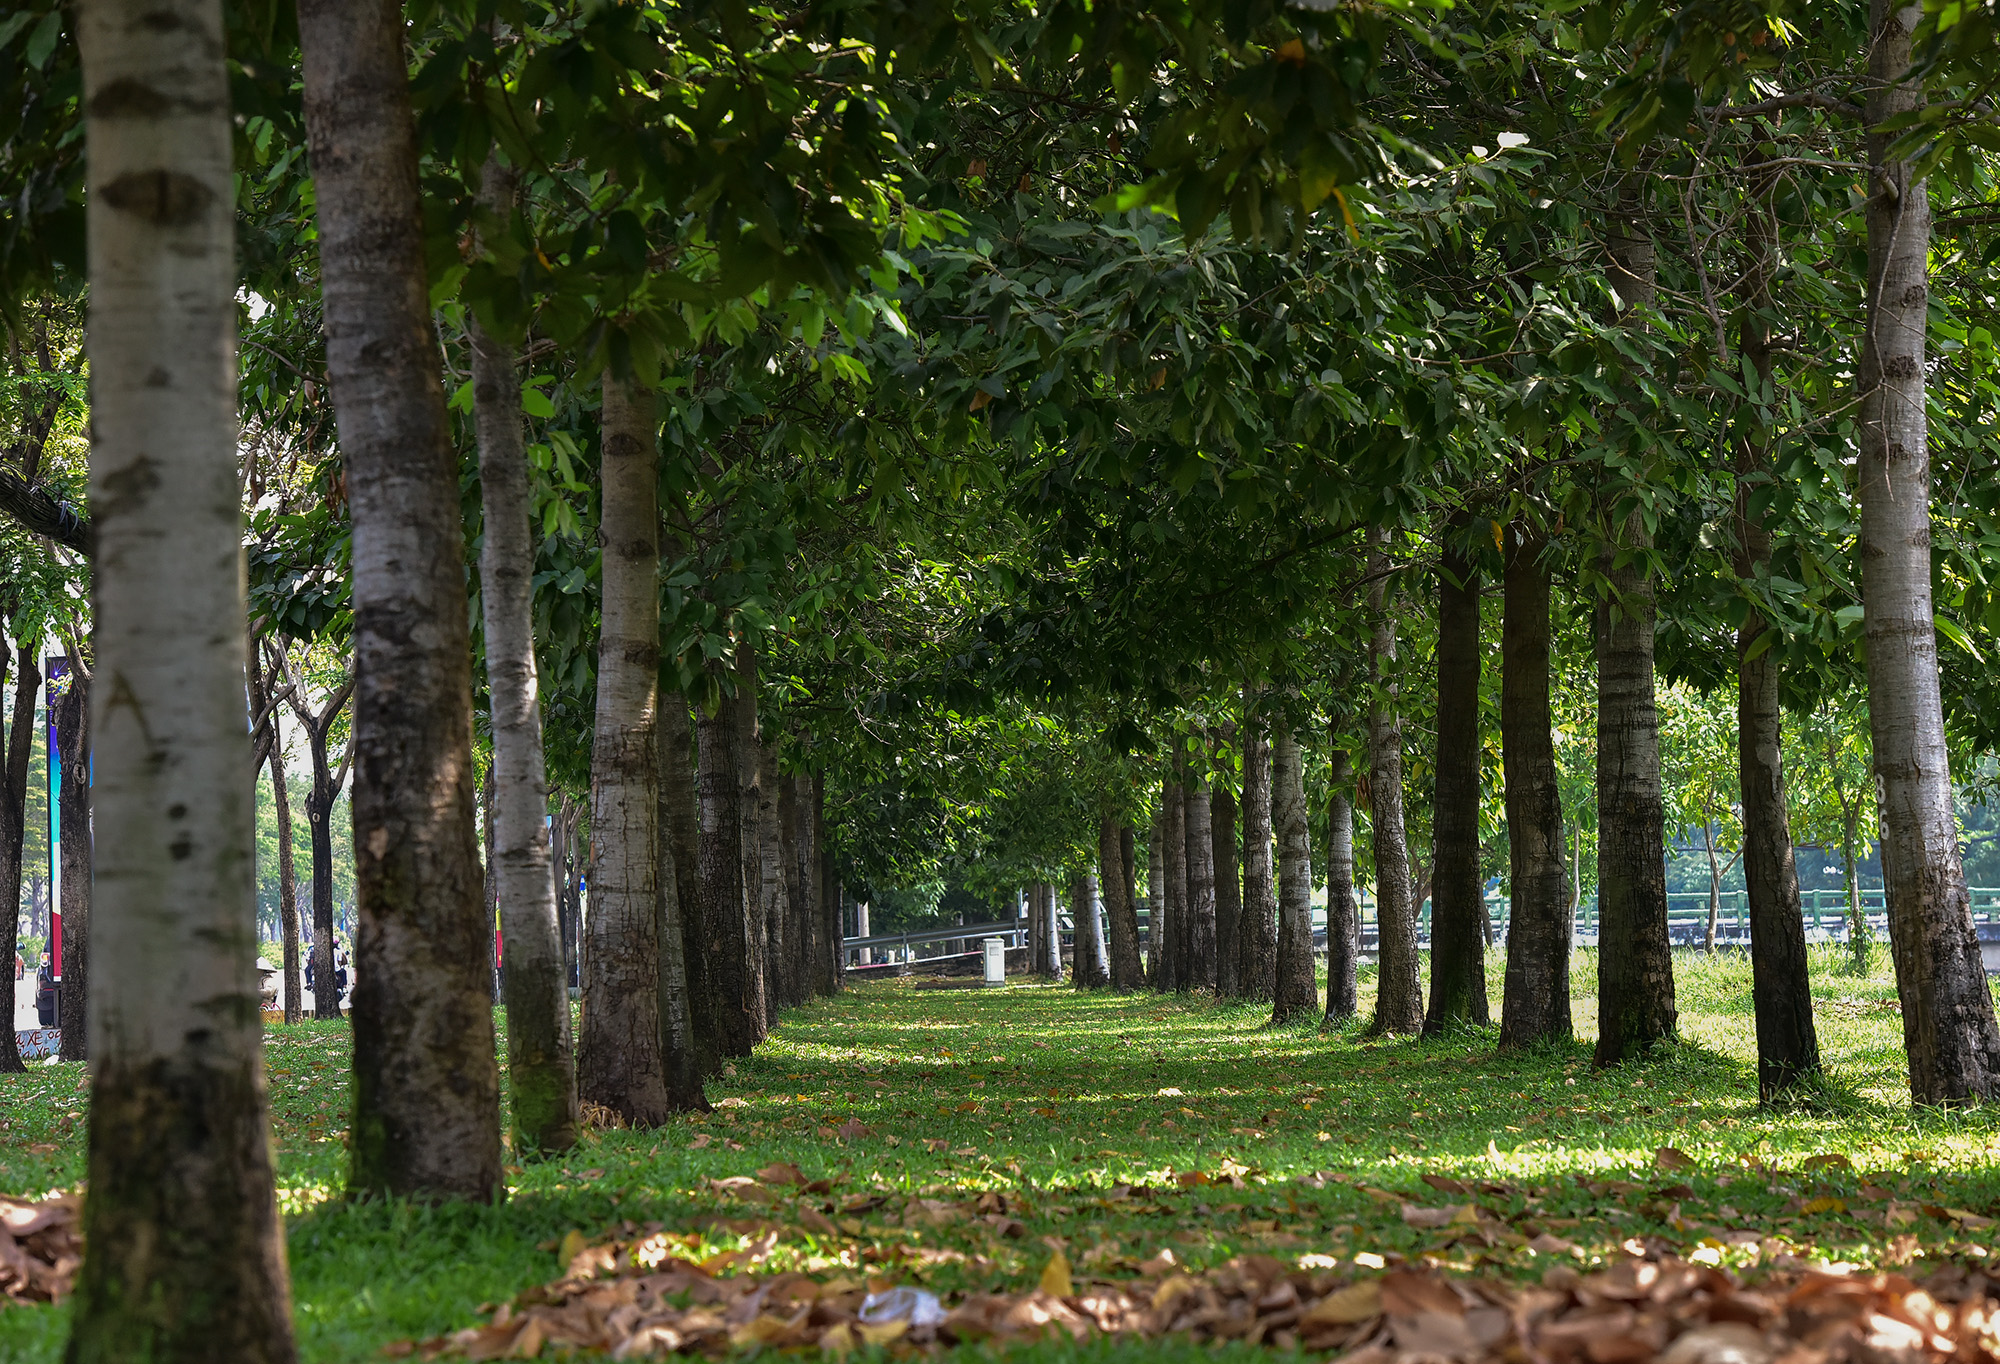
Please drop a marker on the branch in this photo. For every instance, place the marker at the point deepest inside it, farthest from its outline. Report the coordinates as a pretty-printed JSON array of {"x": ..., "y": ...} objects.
[
  {"x": 1798, "y": 99},
  {"x": 37, "y": 508}
]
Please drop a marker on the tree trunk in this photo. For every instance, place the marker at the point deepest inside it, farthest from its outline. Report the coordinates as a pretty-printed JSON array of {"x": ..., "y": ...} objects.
[
  {"x": 426, "y": 1083},
  {"x": 1458, "y": 949},
  {"x": 1857, "y": 921},
  {"x": 1948, "y": 1024},
  {"x": 680, "y": 1051},
  {"x": 826, "y": 895},
  {"x": 1714, "y": 887},
  {"x": 1635, "y": 965},
  {"x": 185, "y": 1256},
  {"x": 319, "y": 833},
  {"x": 722, "y": 918},
  {"x": 619, "y": 1060},
  {"x": 1343, "y": 923},
  {"x": 1399, "y": 996},
  {"x": 1228, "y": 891},
  {"x": 681, "y": 809},
  {"x": 1297, "y": 990},
  {"x": 288, "y": 888},
  {"x": 540, "y": 1050},
  {"x": 1201, "y": 886},
  {"x": 1177, "y": 971},
  {"x": 749, "y": 773},
  {"x": 797, "y": 927},
  {"x": 1781, "y": 988},
  {"x": 73, "y": 744},
  {"x": 1535, "y": 1007},
  {"x": 771, "y": 882},
  {"x": 1091, "y": 969},
  {"x": 1126, "y": 971},
  {"x": 1156, "y": 897},
  {"x": 1257, "y": 968},
  {"x": 13, "y": 837}
]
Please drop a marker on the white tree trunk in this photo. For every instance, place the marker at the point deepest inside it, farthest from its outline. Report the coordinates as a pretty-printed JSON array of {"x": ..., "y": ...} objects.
[
  {"x": 618, "y": 1057},
  {"x": 185, "y": 1255},
  {"x": 1948, "y": 1023},
  {"x": 541, "y": 1076}
]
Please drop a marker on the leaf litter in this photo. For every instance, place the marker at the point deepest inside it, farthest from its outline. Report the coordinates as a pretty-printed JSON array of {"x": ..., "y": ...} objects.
[{"x": 632, "y": 1298}]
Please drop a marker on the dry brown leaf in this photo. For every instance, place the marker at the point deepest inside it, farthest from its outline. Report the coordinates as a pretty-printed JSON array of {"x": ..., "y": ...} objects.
[
  {"x": 1673, "y": 1158},
  {"x": 1346, "y": 1306}
]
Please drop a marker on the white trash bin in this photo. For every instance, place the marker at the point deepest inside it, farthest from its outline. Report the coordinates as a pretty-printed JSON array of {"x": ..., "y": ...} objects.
[{"x": 996, "y": 961}]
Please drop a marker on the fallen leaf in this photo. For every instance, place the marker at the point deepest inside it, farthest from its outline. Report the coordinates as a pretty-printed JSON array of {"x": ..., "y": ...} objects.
[
  {"x": 781, "y": 1173},
  {"x": 1055, "y": 1276},
  {"x": 1673, "y": 1158},
  {"x": 1346, "y": 1306}
]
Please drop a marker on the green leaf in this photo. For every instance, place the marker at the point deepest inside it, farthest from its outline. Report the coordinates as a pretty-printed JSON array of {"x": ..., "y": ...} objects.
[{"x": 42, "y": 42}]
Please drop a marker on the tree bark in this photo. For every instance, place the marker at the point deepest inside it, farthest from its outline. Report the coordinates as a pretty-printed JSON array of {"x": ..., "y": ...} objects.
[
  {"x": 1156, "y": 897},
  {"x": 318, "y": 727},
  {"x": 681, "y": 809},
  {"x": 1201, "y": 938},
  {"x": 1228, "y": 891},
  {"x": 619, "y": 1060},
  {"x": 1781, "y": 984},
  {"x": 1948, "y": 1024},
  {"x": 540, "y": 1050},
  {"x": 1399, "y": 995},
  {"x": 1857, "y": 921},
  {"x": 1297, "y": 989},
  {"x": 13, "y": 838},
  {"x": 771, "y": 882},
  {"x": 1177, "y": 972},
  {"x": 680, "y": 1050},
  {"x": 1126, "y": 971},
  {"x": 722, "y": 917},
  {"x": 1257, "y": 967},
  {"x": 1635, "y": 965},
  {"x": 288, "y": 889},
  {"x": 1535, "y": 1007},
  {"x": 1343, "y": 922},
  {"x": 749, "y": 772},
  {"x": 1458, "y": 903},
  {"x": 184, "y": 1256},
  {"x": 426, "y": 1083},
  {"x": 1090, "y": 969},
  {"x": 73, "y": 744}
]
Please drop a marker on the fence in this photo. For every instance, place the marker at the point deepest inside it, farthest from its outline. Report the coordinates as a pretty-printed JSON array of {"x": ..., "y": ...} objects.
[{"x": 1825, "y": 911}]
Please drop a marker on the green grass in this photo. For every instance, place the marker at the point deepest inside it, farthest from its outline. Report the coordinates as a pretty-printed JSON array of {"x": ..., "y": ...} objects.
[{"x": 1054, "y": 1099}]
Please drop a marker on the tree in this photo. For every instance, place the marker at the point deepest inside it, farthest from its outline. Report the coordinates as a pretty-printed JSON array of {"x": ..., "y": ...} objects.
[
  {"x": 1228, "y": 888},
  {"x": 288, "y": 889},
  {"x": 1127, "y": 973},
  {"x": 619, "y": 1060},
  {"x": 1948, "y": 1023},
  {"x": 185, "y": 1257},
  {"x": 1200, "y": 833},
  {"x": 1535, "y": 1007},
  {"x": 1259, "y": 933},
  {"x": 1635, "y": 966},
  {"x": 327, "y": 781},
  {"x": 426, "y": 1083},
  {"x": 13, "y": 831},
  {"x": 1399, "y": 997},
  {"x": 723, "y": 919},
  {"x": 70, "y": 715},
  {"x": 1458, "y": 892},
  {"x": 1296, "y": 991},
  {"x": 1343, "y": 920}
]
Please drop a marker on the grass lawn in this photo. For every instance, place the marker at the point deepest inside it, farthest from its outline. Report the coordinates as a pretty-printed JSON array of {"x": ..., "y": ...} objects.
[{"x": 1120, "y": 1126}]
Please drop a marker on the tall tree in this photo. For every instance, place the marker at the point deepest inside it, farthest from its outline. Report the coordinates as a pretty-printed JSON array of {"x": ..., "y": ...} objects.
[
  {"x": 1635, "y": 964},
  {"x": 1535, "y": 1006},
  {"x": 1091, "y": 969},
  {"x": 1948, "y": 1024},
  {"x": 1458, "y": 893},
  {"x": 1781, "y": 983},
  {"x": 1156, "y": 897},
  {"x": 723, "y": 920},
  {"x": 1126, "y": 971},
  {"x": 681, "y": 809},
  {"x": 13, "y": 834},
  {"x": 1296, "y": 991},
  {"x": 619, "y": 1061},
  {"x": 680, "y": 1052},
  {"x": 326, "y": 783},
  {"x": 184, "y": 1257},
  {"x": 71, "y": 718},
  {"x": 1399, "y": 993},
  {"x": 288, "y": 889},
  {"x": 1343, "y": 920},
  {"x": 1201, "y": 885},
  {"x": 1258, "y": 966},
  {"x": 1228, "y": 889},
  {"x": 749, "y": 778},
  {"x": 426, "y": 1083},
  {"x": 541, "y": 1074}
]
